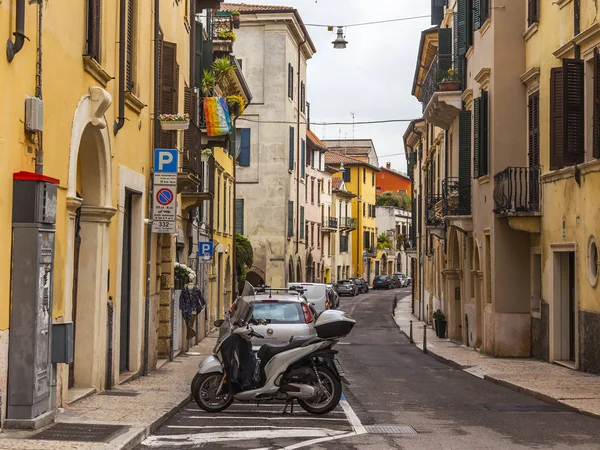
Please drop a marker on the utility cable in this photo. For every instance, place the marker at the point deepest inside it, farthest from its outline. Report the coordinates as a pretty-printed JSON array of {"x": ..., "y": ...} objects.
[
  {"x": 368, "y": 122},
  {"x": 401, "y": 19}
]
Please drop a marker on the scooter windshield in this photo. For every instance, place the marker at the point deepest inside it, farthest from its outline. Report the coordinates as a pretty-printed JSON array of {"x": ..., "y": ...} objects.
[{"x": 243, "y": 313}]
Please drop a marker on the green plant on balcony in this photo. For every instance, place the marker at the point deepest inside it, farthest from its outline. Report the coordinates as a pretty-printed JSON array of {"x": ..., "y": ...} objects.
[
  {"x": 226, "y": 35},
  {"x": 383, "y": 242},
  {"x": 208, "y": 82},
  {"x": 448, "y": 80},
  {"x": 223, "y": 69},
  {"x": 236, "y": 105}
]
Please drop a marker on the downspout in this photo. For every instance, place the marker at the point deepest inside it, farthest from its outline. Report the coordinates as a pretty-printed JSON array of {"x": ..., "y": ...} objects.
[
  {"x": 39, "y": 154},
  {"x": 150, "y": 187},
  {"x": 420, "y": 221},
  {"x": 577, "y": 26},
  {"x": 12, "y": 48},
  {"x": 121, "y": 117},
  {"x": 298, "y": 168}
]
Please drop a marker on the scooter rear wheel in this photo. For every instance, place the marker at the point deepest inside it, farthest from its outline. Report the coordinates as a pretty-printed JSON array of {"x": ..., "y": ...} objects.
[
  {"x": 205, "y": 393},
  {"x": 330, "y": 399}
]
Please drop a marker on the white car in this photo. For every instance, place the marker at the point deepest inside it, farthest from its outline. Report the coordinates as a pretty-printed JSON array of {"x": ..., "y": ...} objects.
[{"x": 315, "y": 293}]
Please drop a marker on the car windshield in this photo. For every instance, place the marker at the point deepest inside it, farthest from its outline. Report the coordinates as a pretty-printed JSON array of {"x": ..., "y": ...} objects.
[
  {"x": 383, "y": 277},
  {"x": 279, "y": 312},
  {"x": 344, "y": 283}
]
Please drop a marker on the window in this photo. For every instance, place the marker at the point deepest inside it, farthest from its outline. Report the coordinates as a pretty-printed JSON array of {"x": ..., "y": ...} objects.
[
  {"x": 302, "y": 224},
  {"x": 346, "y": 175},
  {"x": 312, "y": 191},
  {"x": 290, "y": 219},
  {"x": 291, "y": 156},
  {"x": 364, "y": 209},
  {"x": 596, "y": 106},
  {"x": 290, "y": 81},
  {"x": 218, "y": 202},
  {"x": 481, "y": 11},
  {"x": 364, "y": 175},
  {"x": 93, "y": 19},
  {"x": 533, "y": 153},
  {"x": 319, "y": 193},
  {"x": 532, "y": 12},
  {"x": 311, "y": 227},
  {"x": 303, "y": 157},
  {"x": 130, "y": 49},
  {"x": 329, "y": 187},
  {"x": 593, "y": 261},
  {"x": 366, "y": 239},
  {"x": 372, "y": 178},
  {"x": 437, "y": 11},
  {"x": 464, "y": 162},
  {"x": 566, "y": 114},
  {"x": 302, "y": 97},
  {"x": 239, "y": 216},
  {"x": 480, "y": 131},
  {"x": 169, "y": 92},
  {"x": 225, "y": 208},
  {"x": 244, "y": 158},
  {"x": 343, "y": 246}
]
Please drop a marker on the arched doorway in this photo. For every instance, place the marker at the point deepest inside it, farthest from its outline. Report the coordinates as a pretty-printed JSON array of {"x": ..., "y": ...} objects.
[
  {"x": 476, "y": 329},
  {"x": 384, "y": 264},
  {"x": 310, "y": 270},
  {"x": 299, "y": 270},
  {"x": 89, "y": 201},
  {"x": 454, "y": 299},
  {"x": 291, "y": 271}
]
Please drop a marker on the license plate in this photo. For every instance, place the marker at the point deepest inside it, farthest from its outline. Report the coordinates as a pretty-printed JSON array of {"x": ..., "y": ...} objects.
[{"x": 339, "y": 368}]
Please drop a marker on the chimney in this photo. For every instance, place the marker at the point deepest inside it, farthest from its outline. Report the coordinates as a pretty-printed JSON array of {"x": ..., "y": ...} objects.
[{"x": 388, "y": 165}]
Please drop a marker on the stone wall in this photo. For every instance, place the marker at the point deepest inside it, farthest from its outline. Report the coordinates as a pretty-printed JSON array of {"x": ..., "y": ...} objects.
[
  {"x": 589, "y": 341},
  {"x": 540, "y": 337}
]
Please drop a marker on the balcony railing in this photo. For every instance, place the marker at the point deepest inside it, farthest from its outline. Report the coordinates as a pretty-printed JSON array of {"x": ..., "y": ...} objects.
[
  {"x": 191, "y": 160},
  {"x": 330, "y": 223},
  {"x": 206, "y": 188},
  {"x": 457, "y": 197},
  {"x": 517, "y": 191},
  {"x": 434, "y": 216},
  {"x": 436, "y": 80},
  {"x": 348, "y": 223},
  {"x": 222, "y": 27}
]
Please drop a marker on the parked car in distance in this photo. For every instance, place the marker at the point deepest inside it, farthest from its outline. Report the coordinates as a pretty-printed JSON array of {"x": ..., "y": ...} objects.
[
  {"x": 363, "y": 286},
  {"x": 408, "y": 280},
  {"x": 396, "y": 281},
  {"x": 347, "y": 287},
  {"x": 286, "y": 314},
  {"x": 402, "y": 278},
  {"x": 382, "y": 282},
  {"x": 334, "y": 301},
  {"x": 315, "y": 293}
]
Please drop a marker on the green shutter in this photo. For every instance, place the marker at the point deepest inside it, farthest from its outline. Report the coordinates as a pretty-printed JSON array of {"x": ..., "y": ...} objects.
[
  {"x": 477, "y": 14},
  {"x": 244, "y": 157},
  {"x": 239, "y": 216},
  {"x": 483, "y": 134},
  {"x": 302, "y": 224},
  {"x": 303, "y": 158},
  {"x": 464, "y": 162},
  {"x": 573, "y": 78},
  {"x": 484, "y": 11},
  {"x": 444, "y": 48},
  {"x": 199, "y": 55},
  {"x": 476, "y": 136},
  {"x": 462, "y": 17},
  {"x": 556, "y": 119},
  {"x": 437, "y": 11},
  {"x": 291, "y": 162},
  {"x": 290, "y": 218}
]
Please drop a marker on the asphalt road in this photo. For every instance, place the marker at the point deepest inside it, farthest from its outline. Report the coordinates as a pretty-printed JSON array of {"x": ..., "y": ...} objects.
[{"x": 400, "y": 398}]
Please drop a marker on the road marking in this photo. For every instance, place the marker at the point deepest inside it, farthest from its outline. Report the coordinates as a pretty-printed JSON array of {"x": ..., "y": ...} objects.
[
  {"x": 233, "y": 427},
  {"x": 352, "y": 417},
  {"x": 318, "y": 441},
  {"x": 267, "y": 418}
]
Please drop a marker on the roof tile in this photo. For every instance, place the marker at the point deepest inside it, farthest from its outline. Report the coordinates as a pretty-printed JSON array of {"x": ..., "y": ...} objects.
[{"x": 244, "y": 7}]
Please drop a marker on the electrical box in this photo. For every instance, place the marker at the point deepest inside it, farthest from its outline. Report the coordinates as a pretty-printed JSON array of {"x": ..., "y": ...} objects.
[
  {"x": 30, "y": 334},
  {"x": 62, "y": 343},
  {"x": 34, "y": 114}
]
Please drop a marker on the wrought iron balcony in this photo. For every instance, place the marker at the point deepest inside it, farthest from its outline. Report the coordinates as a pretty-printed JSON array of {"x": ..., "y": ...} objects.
[
  {"x": 434, "y": 216},
  {"x": 193, "y": 194},
  {"x": 330, "y": 223},
  {"x": 442, "y": 90},
  {"x": 517, "y": 191},
  {"x": 222, "y": 33},
  {"x": 348, "y": 223},
  {"x": 457, "y": 197},
  {"x": 191, "y": 168}
]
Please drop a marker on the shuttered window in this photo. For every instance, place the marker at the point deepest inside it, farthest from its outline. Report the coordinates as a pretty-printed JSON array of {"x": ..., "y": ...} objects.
[
  {"x": 532, "y": 12},
  {"x": 290, "y": 81},
  {"x": 291, "y": 150},
  {"x": 290, "y": 218},
  {"x": 169, "y": 92},
  {"x": 303, "y": 157},
  {"x": 93, "y": 19},
  {"x": 533, "y": 125},
  {"x": 567, "y": 114},
  {"x": 239, "y": 216},
  {"x": 480, "y": 135},
  {"x": 444, "y": 48},
  {"x": 244, "y": 158},
  {"x": 366, "y": 239},
  {"x": 464, "y": 161},
  {"x": 343, "y": 244},
  {"x": 190, "y": 106},
  {"x": 302, "y": 223},
  {"x": 346, "y": 175},
  {"x": 302, "y": 97},
  {"x": 130, "y": 69},
  {"x": 465, "y": 26},
  {"x": 596, "y": 87},
  {"x": 199, "y": 55},
  {"x": 481, "y": 11},
  {"x": 437, "y": 11}
]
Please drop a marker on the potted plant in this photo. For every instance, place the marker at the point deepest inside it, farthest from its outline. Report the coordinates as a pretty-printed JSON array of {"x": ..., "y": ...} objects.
[
  {"x": 448, "y": 80},
  {"x": 183, "y": 275},
  {"x": 235, "y": 15},
  {"x": 208, "y": 82},
  {"x": 235, "y": 104},
  {"x": 226, "y": 35},
  {"x": 205, "y": 154},
  {"x": 169, "y": 122},
  {"x": 440, "y": 323}
]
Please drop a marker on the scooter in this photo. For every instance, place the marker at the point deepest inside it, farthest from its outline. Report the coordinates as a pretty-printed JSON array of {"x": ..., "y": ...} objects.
[{"x": 304, "y": 369}]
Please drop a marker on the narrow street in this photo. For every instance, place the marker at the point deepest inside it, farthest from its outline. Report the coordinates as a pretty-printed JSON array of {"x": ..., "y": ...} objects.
[{"x": 402, "y": 398}]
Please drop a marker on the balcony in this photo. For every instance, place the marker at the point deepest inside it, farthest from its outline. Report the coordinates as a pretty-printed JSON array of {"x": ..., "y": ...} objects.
[
  {"x": 441, "y": 99},
  {"x": 457, "y": 203},
  {"x": 206, "y": 140},
  {"x": 191, "y": 167},
  {"x": 222, "y": 32},
  {"x": 370, "y": 252},
  {"x": 347, "y": 223},
  {"x": 517, "y": 192},
  {"x": 192, "y": 194},
  {"x": 330, "y": 224},
  {"x": 434, "y": 217}
]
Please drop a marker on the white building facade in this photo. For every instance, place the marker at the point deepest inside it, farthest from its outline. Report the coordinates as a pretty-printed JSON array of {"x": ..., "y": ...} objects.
[{"x": 396, "y": 224}]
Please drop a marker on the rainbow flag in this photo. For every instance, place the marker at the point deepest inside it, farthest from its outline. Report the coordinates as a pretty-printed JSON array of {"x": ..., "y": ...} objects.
[{"x": 216, "y": 114}]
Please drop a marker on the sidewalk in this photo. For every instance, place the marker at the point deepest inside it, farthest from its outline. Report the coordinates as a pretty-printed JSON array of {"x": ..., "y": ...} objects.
[
  {"x": 576, "y": 390},
  {"x": 148, "y": 402}
]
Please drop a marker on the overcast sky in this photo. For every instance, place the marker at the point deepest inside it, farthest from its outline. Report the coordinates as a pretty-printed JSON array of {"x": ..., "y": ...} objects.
[{"x": 372, "y": 77}]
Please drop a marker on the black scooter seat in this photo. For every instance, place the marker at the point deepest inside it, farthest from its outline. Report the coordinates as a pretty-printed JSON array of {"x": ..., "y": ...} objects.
[{"x": 268, "y": 351}]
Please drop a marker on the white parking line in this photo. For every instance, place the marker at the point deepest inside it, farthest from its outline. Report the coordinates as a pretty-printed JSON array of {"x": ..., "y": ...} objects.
[
  {"x": 238, "y": 411},
  {"x": 267, "y": 418},
  {"x": 233, "y": 427}
]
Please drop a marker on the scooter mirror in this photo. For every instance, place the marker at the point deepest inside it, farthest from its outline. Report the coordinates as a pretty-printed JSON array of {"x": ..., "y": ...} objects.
[{"x": 218, "y": 322}]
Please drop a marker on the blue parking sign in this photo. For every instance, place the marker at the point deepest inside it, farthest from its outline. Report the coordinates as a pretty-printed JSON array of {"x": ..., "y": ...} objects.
[
  {"x": 205, "y": 249},
  {"x": 165, "y": 160}
]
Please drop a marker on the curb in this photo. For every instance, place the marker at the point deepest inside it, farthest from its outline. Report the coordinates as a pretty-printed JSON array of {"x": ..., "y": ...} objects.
[{"x": 441, "y": 359}]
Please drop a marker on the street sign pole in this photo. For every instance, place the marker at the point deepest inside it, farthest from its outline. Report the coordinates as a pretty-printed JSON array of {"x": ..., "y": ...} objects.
[{"x": 164, "y": 205}]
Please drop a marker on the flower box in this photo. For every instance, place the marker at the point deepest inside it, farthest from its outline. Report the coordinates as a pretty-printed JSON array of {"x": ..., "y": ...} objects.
[
  {"x": 447, "y": 86},
  {"x": 170, "y": 125}
]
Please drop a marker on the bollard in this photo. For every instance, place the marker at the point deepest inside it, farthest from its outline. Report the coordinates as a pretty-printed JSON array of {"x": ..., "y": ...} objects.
[
  {"x": 410, "y": 337},
  {"x": 394, "y": 305},
  {"x": 425, "y": 338}
]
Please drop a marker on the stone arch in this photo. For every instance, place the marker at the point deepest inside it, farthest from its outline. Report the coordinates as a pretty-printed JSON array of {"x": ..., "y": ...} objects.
[
  {"x": 256, "y": 276},
  {"x": 90, "y": 169},
  {"x": 452, "y": 302}
]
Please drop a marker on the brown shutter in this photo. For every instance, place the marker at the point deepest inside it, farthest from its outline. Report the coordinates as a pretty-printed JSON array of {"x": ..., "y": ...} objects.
[
  {"x": 532, "y": 12},
  {"x": 476, "y": 136},
  {"x": 169, "y": 90},
  {"x": 556, "y": 119},
  {"x": 187, "y": 106},
  {"x": 574, "y": 150},
  {"x": 130, "y": 43},
  {"x": 596, "y": 104},
  {"x": 93, "y": 29},
  {"x": 534, "y": 130}
]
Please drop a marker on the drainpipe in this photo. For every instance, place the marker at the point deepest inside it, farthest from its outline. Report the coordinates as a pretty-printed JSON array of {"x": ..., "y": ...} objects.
[
  {"x": 577, "y": 26},
  {"x": 12, "y": 48},
  {"x": 39, "y": 154},
  {"x": 298, "y": 168},
  {"x": 150, "y": 187},
  {"x": 121, "y": 118}
]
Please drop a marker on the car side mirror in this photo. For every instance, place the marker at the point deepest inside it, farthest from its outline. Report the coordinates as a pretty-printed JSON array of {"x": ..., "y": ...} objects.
[{"x": 217, "y": 323}]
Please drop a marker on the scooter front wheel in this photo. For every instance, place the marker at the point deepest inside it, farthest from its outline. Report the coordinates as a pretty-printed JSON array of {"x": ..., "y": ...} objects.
[
  {"x": 205, "y": 394},
  {"x": 329, "y": 398}
]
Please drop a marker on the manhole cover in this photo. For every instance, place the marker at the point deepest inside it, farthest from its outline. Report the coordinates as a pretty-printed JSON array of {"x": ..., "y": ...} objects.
[
  {"x": 79, "y": 432},
  {"x": 525, "y": 408},
  {"x": 120, "y": 393},
  {"x": 389, "y": 429}
]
